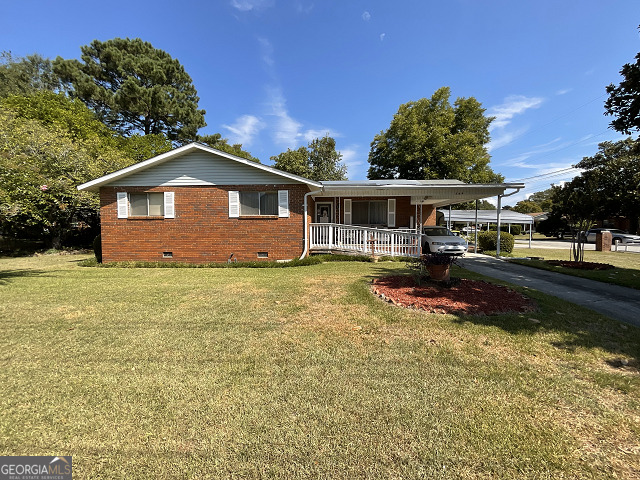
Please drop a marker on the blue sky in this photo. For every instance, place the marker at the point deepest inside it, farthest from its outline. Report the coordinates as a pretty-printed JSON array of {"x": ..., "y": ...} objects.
[{"x": 274, "y": 74}]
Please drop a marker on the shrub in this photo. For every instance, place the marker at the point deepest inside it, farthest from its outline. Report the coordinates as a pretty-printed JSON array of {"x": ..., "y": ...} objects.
[
  {"x": 489, "y": 241},
  {"x": 515, "y": 229},
  {"x": 97, "y": 248}
]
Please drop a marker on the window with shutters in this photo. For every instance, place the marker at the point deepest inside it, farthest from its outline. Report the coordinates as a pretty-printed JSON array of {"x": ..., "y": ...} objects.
[
  {"x": 372, "y": 212},
  {"x": 258, "y": 203},
  {"x": 146, "y": 204},
  {"x": 150, "y": 204}
]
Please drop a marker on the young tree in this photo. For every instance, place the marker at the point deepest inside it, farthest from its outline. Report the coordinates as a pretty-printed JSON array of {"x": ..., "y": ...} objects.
[
  {"x": 432, "y": 139},
  {"x": 134, "y": 87},
  {"x": 577, "y": 202},
  {"x": 318, "y": 161}
]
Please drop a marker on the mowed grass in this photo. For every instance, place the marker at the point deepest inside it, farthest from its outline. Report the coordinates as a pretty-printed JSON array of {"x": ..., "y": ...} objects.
[
  {"x": 302, "y": 373},
  {"x": 626, "y": 273}
]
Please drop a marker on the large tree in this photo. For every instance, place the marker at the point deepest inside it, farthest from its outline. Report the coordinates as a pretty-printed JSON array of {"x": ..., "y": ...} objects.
[
  {"x": 432, "y": 139},
  {"x": 318, "y": 161},
  {"x": 26, "y": 75},
  {"x": 527, "y": 206},
  {"x": 615, "y": 173},
  {"x": 134, "y": 87},
  {"x": 49, "y": 144}
]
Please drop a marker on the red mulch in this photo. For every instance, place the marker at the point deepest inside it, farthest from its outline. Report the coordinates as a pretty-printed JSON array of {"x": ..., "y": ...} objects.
[
  {"x": 469, "y": 297},
  {"x": 581, "y": 265}
]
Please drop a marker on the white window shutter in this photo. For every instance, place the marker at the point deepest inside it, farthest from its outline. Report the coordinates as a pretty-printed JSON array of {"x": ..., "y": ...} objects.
[
  {"x": 169, "y": 205},
  {"x": 234, "y": 204},
  {"x": 391, "y": 212},
  {"x": 283, "y": 203},
  {"x": 123, "y": 205},
  {"x": 347, "y": 211}
]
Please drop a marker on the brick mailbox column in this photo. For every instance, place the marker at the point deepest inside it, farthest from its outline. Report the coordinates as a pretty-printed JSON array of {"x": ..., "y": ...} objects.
[{"x": 603, "y": 241}]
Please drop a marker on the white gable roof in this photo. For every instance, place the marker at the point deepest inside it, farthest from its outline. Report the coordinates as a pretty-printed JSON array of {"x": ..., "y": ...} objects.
[{"x": 188, "y": 166}]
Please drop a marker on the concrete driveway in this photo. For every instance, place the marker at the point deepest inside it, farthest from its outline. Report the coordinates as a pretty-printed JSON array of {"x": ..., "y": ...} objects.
[{"x": 616, "y": 302}]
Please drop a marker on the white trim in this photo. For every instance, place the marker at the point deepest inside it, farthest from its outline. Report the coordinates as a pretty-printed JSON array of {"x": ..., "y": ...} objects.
[
  {"x": 347, "y": 211},
  {"x": 169, "y": 205},
  {"x": 123, "y": 204},
  {"x": 234, "y": 204},
  {"x": 93, "y": 185},
  {"x": 283, "y": 203},
  {"x": 391, "y": 212}
]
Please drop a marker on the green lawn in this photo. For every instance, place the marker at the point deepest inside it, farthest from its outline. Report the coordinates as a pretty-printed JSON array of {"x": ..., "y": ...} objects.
[
  {"x": 626, "y": 273},
  {"x": 302, "y": 373}
]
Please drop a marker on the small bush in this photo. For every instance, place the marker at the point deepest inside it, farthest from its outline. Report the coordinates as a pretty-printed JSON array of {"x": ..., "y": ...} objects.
[
  {"x": 489, "y": 241},
  {"x": 515, "y": 229},
  {"x": 97, "y": 248}
]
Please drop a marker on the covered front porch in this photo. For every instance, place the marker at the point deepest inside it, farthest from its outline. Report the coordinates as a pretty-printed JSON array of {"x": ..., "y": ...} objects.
[{"x": 382, "y": 217}]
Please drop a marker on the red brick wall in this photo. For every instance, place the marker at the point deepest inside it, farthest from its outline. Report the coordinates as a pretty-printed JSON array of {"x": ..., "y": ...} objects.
[{"x": 201, "y": 230}]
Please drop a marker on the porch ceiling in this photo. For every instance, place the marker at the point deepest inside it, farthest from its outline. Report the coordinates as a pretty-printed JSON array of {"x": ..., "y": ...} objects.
[{"x": 422, "y": 192}]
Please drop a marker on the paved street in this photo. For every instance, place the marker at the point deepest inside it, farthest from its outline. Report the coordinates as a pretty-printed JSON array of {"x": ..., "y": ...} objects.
[{"x": 566, "y": 244}]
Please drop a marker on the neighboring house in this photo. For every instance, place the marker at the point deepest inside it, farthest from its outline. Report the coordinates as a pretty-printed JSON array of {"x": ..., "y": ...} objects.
[{"x": 197, "y": 204}]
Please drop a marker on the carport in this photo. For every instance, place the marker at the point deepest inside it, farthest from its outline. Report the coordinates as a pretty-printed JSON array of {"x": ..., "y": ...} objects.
[{"x": 482, "y": 217}]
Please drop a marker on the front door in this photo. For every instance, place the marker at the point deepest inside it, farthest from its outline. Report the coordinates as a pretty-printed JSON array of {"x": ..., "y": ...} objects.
[{"x": 324, "y": 212}]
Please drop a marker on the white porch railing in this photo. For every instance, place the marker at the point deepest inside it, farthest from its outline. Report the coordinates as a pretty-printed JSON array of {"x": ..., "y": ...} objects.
[{"x": 364, "y": 240}]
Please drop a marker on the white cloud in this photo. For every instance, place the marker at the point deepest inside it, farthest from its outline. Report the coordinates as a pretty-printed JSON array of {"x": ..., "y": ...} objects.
[
  {"x": 249, "y": 5},
  {"x": 303, "y": 8},
  {"x": 356, "y": 166},
  {"x": 244, "y": 129},
  {"x": 366, "y": 16},
  {"x": 382, "y": 35},
  {"x": 563, "y": 91},
  {"x": 512, "y": 106},
  {"x": 267, "y": 52},
  {"x": 504, "y": 138}
]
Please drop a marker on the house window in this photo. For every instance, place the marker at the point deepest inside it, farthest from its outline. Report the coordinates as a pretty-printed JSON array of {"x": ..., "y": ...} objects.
[
  {"x": 258, "y": 203},
  {"x": 146, "y": 204},
  {"x": 372, "y": 212}
]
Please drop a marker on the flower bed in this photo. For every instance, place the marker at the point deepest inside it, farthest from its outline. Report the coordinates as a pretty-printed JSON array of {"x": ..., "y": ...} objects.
[{"x": 469, "y": 297}]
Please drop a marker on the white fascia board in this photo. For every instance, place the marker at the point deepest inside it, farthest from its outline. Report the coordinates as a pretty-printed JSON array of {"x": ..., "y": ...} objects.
[{"x": 94, "y": 185}]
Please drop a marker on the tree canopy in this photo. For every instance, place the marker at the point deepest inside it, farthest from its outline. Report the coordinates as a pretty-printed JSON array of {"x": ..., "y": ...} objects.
[
  {"x": 318, "y": 161},
  {"x": 26, "y": 75},
  {"x": 216, "y": 141},
  {"x": 432, "y": 139},
  {"x": 615, "y": 179},
  {"x": 134, "y": 87},
  {"x": 624, "y": 99},
  {"x": 527, "y": 206},
  {"x": 49, "y": 145}
]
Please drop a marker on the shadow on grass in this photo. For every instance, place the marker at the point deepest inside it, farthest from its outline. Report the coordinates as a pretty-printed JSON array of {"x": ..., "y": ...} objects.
[
  {"x": 7, "y": 275},
  {"x": 576, "y": 327}
]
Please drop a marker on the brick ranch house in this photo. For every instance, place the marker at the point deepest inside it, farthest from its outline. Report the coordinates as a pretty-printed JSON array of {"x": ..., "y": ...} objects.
[{"x": 196, "y": 204}]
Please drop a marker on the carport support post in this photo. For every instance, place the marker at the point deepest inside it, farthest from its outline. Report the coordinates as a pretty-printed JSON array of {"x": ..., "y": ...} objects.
[
  {"x": 530, "y": 234},
  {"x": 475, "y": 229},
  {"x": 498, "y": 219}
]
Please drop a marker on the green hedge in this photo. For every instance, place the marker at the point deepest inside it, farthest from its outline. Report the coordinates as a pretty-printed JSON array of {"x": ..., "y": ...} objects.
[
  {"x": 515, "y": 229},
  {"x": 489, "y": 241}
]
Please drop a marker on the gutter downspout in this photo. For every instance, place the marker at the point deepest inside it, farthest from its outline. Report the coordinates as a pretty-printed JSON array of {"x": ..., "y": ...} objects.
[
  {"x": 498, "y": 219},
  {"x": 306, "y": 223}
]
